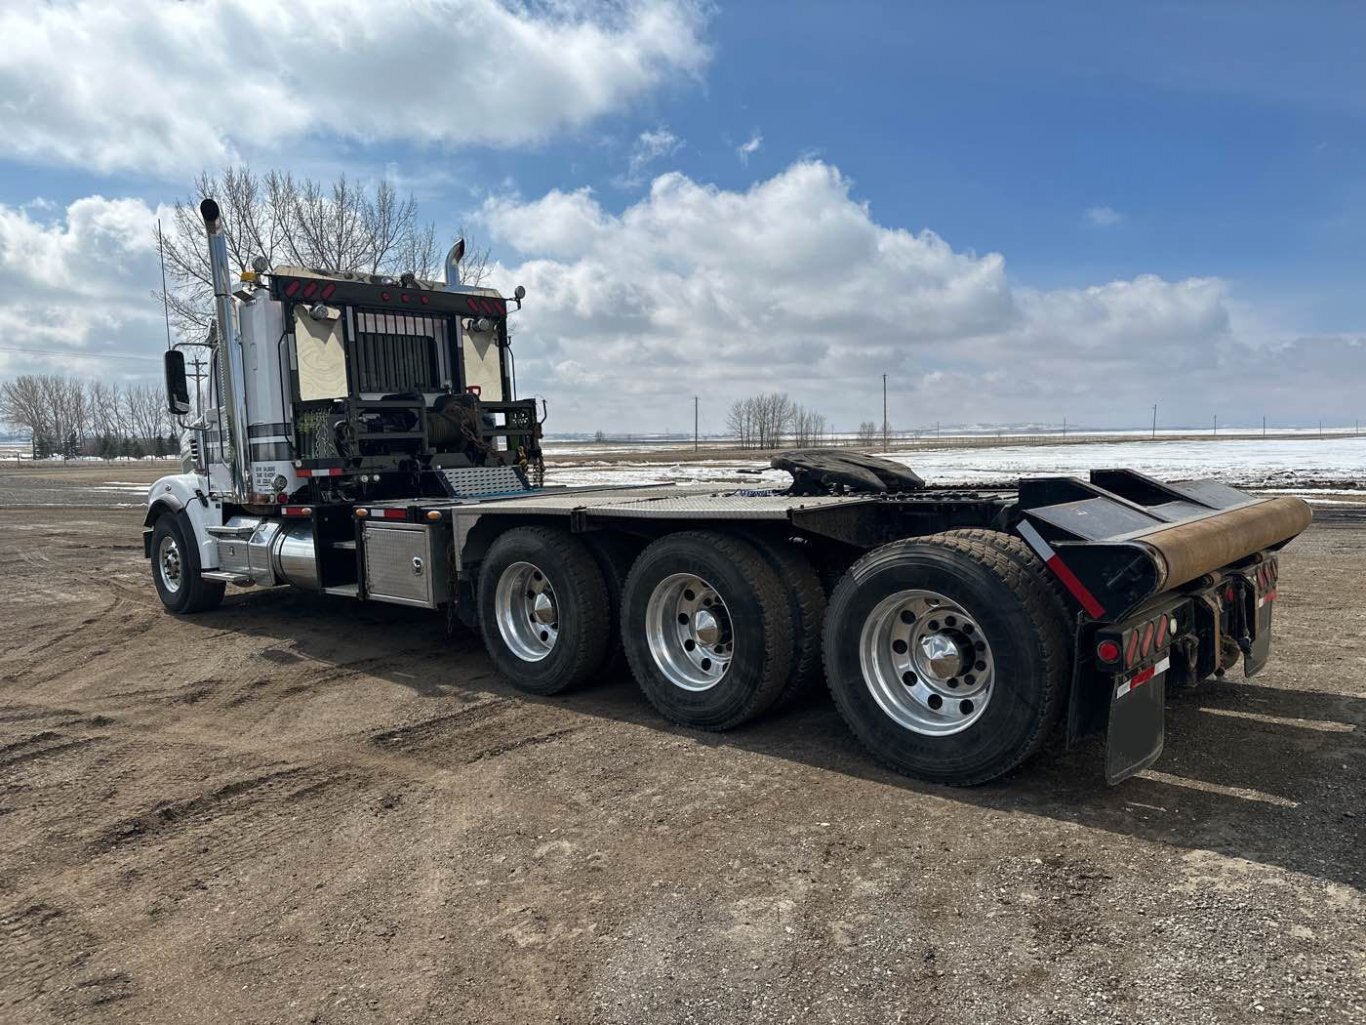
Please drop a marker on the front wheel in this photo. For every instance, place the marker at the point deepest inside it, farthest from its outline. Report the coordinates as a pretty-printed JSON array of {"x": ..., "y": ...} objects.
[
  {"x": 176, "y": 569},
  {"x": 943, "y": 657},
  {"x": 543, "y": 609}
]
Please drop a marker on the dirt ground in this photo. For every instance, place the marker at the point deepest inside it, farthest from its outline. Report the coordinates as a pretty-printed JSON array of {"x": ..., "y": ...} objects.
[{"x": 303, "y": 810}]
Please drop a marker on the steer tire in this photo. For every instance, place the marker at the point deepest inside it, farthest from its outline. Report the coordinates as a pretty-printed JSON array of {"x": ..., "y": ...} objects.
[
  {"x": 756, "y": 608},
  {"x": 583, "y": 624},
  {"x": 1014, "y": 614},
  {"x": 806, "y": 601},
  {"x": 191, "y": 593}
]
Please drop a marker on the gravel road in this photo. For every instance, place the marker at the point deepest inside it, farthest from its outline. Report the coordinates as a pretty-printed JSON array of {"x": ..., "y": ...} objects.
[{"x": 302, "y": 810}]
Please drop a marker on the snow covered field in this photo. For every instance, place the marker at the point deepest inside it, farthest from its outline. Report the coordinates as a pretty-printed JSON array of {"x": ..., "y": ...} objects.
[{"x": 1293, "y": 464}]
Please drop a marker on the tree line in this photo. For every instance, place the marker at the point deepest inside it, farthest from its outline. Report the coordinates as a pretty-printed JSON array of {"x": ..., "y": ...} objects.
[
  {"x": 771, "y": 420},
  {"x": 68, "y": 417}
]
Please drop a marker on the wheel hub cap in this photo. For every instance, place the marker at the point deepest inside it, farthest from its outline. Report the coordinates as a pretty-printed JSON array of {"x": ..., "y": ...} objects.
[
  {"x": 941, "y": 655},
  {"x": 688, "y": 630},
  {"x": 169, "y": 557},
  {"x": 927, "y": 662},
  {"x": 526, "y": 611}
]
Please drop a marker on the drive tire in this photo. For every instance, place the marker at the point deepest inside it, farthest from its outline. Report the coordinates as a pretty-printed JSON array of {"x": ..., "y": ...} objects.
[
  {"x": 565, "y": 648},
  {"x": 1011, "y": 611},
  {"x": 614, "y": 555},
  {"x": 755, "y": 612},
  {"x": 806, "y": 603},
  {"x": 176, "y": 569}
]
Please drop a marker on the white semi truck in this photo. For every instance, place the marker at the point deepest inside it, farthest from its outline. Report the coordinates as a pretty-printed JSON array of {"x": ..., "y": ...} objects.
[{"x": 363, "y": 438}]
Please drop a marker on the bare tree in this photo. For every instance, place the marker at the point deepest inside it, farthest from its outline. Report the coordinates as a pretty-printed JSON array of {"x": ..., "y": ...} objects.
[
  {"x": 303, "y": 222},
  {"x": 867, "y": 433},
  {"x": 764, "y": 421},
  {"x": 22, "y": 405}
]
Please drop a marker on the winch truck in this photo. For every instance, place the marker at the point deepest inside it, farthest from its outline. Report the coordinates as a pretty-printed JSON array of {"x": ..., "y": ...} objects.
[{"x": 362, "y": 438}]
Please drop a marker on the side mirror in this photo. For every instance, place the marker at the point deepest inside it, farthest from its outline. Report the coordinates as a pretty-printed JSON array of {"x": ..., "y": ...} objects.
[{"x": 177, "y": 388}]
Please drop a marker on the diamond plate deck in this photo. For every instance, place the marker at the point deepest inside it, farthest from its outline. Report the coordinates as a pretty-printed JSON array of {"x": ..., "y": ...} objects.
[{"x": 660, "y": 502}]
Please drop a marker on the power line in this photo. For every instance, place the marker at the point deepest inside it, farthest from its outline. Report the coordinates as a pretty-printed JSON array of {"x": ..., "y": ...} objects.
[{"x": 78, "y": 353}]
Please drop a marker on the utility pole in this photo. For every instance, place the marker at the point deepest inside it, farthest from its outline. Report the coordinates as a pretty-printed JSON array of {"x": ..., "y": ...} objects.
[
  {"x": 884, "y": 412},
  {"x": 1154, "y": 421},
  {"x": 1263, "y": 425},
  {"x": 198, "y": 376},
  {"x": 694, "y": 424},
  {"x": 1064, "y": 427},
  {"x": 1216, "y": 423}
]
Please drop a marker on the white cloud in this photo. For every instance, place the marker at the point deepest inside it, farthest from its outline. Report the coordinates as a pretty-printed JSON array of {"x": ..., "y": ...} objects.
[
  {"x": 747, "y": 149},
  {"x": 150, "y": 86},
  {"x": 790, "y": 285},
  {"x": 793, "y": 285},
  {"x": 78, "y": 283},
  {"x": 649, "y": 146},
  {"x": 1103, "y": 216}
]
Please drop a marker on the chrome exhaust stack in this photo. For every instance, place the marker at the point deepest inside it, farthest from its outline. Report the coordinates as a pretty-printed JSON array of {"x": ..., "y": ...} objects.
[
  {"x": 231, "y": 370},
  {"x": 453, "y": 258}
]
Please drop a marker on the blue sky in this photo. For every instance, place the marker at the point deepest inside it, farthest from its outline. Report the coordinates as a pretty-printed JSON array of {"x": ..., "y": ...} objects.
[{"x": 1128, "y": 150}]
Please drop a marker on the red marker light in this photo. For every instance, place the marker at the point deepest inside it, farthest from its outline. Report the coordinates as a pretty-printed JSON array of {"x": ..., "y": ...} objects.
[
  {"x": 1145, "y": 646},
  {"x": 1107, "y": 651}
]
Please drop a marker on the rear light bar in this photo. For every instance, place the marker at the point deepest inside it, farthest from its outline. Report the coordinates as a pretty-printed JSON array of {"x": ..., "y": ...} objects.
[{"x": 1135, "y": 643}]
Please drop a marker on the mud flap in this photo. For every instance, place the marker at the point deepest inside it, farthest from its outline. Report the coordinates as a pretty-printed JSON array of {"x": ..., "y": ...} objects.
[
  {"x": 1254, "y": 660},
  {"x": 1137, "y": 727}
]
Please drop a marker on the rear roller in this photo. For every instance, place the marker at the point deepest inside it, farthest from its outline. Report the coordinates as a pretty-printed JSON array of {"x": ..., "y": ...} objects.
[
  {"x": 543, "y": 609},
  {"x": 707, "y": 629},
  {"x": 945, "y": 658}
]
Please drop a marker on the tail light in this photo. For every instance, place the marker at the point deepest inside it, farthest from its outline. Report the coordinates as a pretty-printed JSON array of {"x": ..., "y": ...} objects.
[{"x": 1136, "y": 643}]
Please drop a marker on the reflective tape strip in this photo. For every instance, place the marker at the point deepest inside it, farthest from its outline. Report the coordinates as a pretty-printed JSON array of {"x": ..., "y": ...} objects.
[
  {"x": 1143, "y": 676},
  {"x": 1267, "y": 598},
  {"x": 334, "y": 471},
  {"x": 1054, "y": 562}
]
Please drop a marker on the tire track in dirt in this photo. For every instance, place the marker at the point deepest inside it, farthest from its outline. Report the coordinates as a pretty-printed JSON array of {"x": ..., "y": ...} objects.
[{"x": 48, "y": 959}]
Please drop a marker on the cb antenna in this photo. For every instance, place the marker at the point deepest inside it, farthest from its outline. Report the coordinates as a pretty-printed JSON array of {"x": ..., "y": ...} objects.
[{"x": 165, "y": 296}]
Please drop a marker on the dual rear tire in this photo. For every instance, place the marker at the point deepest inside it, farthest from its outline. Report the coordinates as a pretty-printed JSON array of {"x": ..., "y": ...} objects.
[{"x": 714, "y": 627}]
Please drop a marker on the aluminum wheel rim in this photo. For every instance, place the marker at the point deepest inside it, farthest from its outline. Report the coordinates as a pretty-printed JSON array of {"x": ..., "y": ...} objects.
[
  {"x": 688, "y": 628},
  {"x": 927, "y": 662},
  {"x": 168, "y": 558},
  {"x": 527, "y": 611}
]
